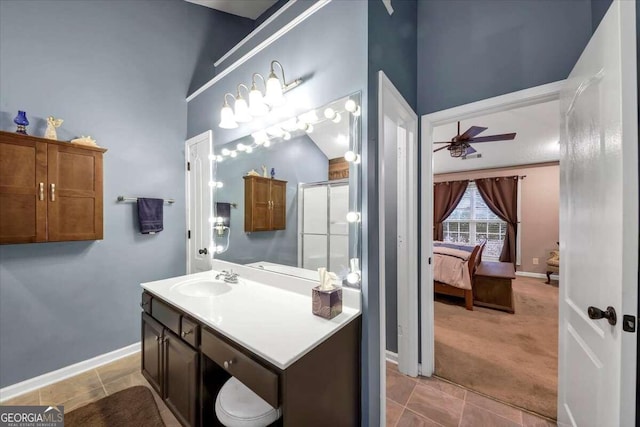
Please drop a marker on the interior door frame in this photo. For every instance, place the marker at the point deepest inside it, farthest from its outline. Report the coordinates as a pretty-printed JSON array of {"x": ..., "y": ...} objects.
[
  {"x": 389, "y": 98},
  {"x": 522, "y": 98},
  {"x": 207, "y": 135}
]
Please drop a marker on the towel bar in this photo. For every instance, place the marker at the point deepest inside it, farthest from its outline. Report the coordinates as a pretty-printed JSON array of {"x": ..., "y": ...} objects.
[{"x": 135, "y": 199}]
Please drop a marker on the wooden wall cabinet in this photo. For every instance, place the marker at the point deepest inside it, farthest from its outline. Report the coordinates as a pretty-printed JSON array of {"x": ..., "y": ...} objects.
[
  {"x": 265, "y": 204},
  {"x": 50, "y": 191}
]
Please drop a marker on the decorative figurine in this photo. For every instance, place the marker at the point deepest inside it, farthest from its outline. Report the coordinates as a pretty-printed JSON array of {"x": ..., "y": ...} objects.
[
  {"x": 85, "y": 140},
  {"x": 52, "y": 124},
  {"x": 253, "y": 172},
  {"x": 264, "y": 171},
  {"x": 273, "y": 173},
  {"x": 22, "y": 122}
]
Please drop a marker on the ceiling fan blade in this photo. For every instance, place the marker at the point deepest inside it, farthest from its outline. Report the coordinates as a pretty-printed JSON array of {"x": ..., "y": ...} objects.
[
  {"x": 503, "y": 137},
  {"x": 441, "y": 148},
  {"x": 470, "y": 150},
  {"x": 471, "y": 132}
]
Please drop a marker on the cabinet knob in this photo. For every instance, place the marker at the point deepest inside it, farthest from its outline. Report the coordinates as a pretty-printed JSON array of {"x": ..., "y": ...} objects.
[
  {"x": 143, "y": 304},
  {"x": 185, "y": 333},
  {"x": 157, "y": 338},
  {"x": 228, "y": 363}
]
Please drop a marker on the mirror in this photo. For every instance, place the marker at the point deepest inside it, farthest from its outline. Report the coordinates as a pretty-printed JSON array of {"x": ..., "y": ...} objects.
[{"x": 287, "y": 198}]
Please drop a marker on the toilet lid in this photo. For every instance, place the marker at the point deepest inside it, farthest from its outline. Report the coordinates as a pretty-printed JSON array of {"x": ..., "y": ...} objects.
[{"x": 238, "y": 406}]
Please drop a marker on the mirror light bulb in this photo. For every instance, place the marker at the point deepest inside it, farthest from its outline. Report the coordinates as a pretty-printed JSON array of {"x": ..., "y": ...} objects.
[
  {"x": 329, "y": 113},
  {"x": 233, "y": 154},
  {"x": 219, "y": 158},
  {"x": 219, "y": 184},
  {"x": 219, "y": 219},
  {"x": 241, "y": 147},
  {"x": 353, "y": 217},
  {"x": 286, "y": 136},
  {"x": 350, "y": 106},
  {"x": 249, "y": 149},
  {"x": 219, "y": 249},
  {"x": 225, "y": 152},
  {"x": 212, "y": 157},
  {"x": 350, "y": 156},
  {"x": 353, "y": 278},
  {"x": 212, "y": 183},
  {"x": 267, "y": 143}
]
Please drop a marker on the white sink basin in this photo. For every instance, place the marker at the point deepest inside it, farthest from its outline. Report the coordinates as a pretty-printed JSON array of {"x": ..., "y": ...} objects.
[{"x": 201, "y": 288}]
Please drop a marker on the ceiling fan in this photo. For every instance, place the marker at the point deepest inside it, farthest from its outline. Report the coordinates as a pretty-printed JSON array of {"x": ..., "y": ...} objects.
[{"x": 459, "y": 146}]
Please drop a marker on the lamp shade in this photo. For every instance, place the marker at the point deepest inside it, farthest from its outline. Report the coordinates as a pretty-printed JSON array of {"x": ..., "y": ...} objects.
[
  {"x": 226, "y": 118},
  {"x": 257, "y": 107},
  {"x": 242, "y": 114},
  {"x": 273, "y": 95}
]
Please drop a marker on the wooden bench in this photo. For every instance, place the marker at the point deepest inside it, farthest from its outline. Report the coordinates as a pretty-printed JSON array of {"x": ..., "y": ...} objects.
[{"x": 493, "y": 285}]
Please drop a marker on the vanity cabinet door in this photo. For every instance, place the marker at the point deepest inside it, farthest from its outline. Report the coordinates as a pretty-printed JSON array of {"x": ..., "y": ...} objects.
[
  {"x": 152, "y": 367},
  {"x": 181, "y": 379}
]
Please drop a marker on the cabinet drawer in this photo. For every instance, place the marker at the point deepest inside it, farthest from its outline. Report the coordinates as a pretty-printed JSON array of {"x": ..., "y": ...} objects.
[
  {"x": 190, "y": 331},
  {"x": 165, "y": 315},
  {"x": 146, "y": 302},
  {"x": 257, "y": 377}
]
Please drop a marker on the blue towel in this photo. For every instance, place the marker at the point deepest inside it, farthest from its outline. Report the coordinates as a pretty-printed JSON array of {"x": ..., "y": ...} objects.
[
  {"x": 223, "y": 210},
  {"x": 150, "y": 215}
]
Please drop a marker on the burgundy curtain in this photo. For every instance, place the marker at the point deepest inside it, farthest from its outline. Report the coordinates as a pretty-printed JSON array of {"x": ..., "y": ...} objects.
[
  {"x": 501, "y": 196},
  {"x": 446, "y": 196}
]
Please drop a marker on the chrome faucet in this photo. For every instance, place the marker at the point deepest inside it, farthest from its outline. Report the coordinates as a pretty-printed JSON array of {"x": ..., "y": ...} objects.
[{"x": 228, "y": 276}]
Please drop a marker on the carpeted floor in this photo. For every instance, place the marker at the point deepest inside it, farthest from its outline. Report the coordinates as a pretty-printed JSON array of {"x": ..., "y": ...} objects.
[
  {"x": 512, "y": 357},
  {"x": 134, "y": 406}
]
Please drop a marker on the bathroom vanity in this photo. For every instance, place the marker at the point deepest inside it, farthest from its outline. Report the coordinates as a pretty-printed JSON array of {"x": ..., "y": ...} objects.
[{"x": 197, "y": 331}]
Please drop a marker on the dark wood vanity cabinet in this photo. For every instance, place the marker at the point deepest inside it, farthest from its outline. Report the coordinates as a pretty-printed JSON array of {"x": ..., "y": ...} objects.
[
  {"x": 265, "y": 204},
  {"x": 171, "y": 367},
  {"x": 188, "y": 363},
  {"x": 50, "y": 191}
]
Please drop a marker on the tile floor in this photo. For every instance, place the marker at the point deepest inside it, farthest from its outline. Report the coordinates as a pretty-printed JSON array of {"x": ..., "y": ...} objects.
[
  {"x": 414, "y": 402},
  {"x": 92, "y": 385},
  {"x": 431, "y": 402}
]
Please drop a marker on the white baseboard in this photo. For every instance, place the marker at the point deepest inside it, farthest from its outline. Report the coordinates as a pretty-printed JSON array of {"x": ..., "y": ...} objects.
[
  {"x": 536, "y": 275},
  {"x": 392, "y": 357},
  {"x": 35, "y": 383}
]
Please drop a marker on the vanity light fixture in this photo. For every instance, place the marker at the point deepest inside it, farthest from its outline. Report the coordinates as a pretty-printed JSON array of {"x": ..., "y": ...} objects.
[
  {"x": 227, "y": 120},
  {"x": 353, "y": 217},
  {"x": 352, "y": 107},
  {"x": 274, "y": 94},
  {"x": 257, "y": 106},
  {"x": 352, "y": 157},
  {"x": 332, "y": 115},
  {"x": 354, "y": 274},
  {"x": 242, "y": 114}
]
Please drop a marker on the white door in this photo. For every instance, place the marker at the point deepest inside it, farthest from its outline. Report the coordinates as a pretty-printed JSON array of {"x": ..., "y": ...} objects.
[
  {"x": 599, "y": 227},
  {"x": 398, "y": 197},
  {"x": 199, "y": 154}
]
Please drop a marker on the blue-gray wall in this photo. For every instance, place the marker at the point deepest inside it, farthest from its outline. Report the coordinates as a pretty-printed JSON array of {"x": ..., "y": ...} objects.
[
  {"x": 472, "y": 50},
  {"x": 392, "y": 49},
  {"x": 329, "y": 49},
  {"x": 296, "y": 161},
  {"x": 118, "y": 71}
]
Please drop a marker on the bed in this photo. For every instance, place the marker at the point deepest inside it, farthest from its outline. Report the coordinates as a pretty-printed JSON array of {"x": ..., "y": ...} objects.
[{"x": 454, "y": 268}]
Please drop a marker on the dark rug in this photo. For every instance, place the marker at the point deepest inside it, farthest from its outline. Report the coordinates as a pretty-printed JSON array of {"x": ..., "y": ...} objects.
[
  {"x": 134, "y": 406},
  {"x": 511, "y": 357}
]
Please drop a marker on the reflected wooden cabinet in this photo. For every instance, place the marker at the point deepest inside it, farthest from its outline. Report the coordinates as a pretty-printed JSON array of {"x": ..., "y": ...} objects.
[
  {"x": 50, "y": 191},
  {"x": 265, "y": 204}
]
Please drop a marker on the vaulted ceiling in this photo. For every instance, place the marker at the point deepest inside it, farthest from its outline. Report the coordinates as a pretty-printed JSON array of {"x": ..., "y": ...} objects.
[{"x": 251, "y": 9}]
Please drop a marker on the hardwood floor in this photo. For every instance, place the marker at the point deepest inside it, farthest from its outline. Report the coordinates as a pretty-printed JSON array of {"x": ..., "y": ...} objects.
[
  {"x": 431, "y": 402},
  {"x": 92, "y": 385}
]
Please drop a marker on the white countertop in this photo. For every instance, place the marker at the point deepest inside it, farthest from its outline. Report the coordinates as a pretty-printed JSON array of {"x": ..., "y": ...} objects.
[{"x": 267, "y": 313}]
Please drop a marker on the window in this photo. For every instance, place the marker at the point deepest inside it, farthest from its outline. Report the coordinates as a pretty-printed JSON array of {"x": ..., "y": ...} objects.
[{"x": 472, "y": 221}]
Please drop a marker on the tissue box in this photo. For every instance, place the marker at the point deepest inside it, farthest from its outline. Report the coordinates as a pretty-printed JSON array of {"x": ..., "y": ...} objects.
[{"x": 327, "y": 304}]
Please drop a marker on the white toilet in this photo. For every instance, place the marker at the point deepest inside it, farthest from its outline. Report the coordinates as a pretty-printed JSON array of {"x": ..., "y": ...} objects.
[{"x": 238, "y": 406}]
